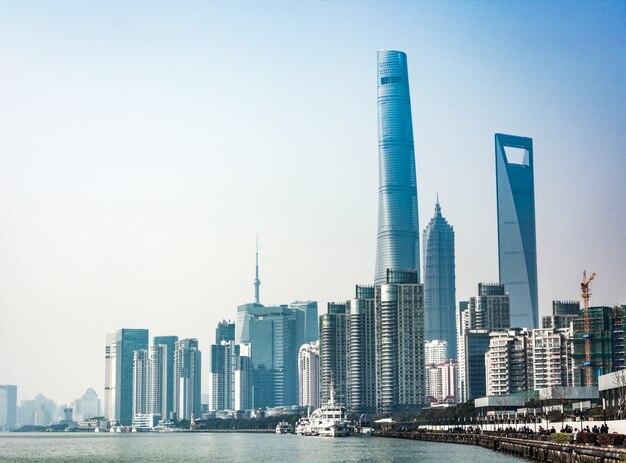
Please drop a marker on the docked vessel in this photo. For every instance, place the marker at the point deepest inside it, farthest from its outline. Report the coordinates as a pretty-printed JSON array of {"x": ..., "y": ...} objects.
[
  {"x": 283, "y": 428},
  {"x": 330, "y": 420}
]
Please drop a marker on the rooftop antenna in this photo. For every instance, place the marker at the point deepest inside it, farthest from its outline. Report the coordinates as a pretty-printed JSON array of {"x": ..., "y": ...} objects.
[{"x": 257, "y": 282}]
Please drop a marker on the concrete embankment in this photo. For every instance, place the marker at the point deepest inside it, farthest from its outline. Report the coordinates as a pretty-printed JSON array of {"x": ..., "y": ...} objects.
[{"x": 524, "y": 448}]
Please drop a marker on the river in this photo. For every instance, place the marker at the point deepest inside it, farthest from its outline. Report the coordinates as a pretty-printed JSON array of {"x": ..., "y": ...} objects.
[{"x": 229, "y": 447}]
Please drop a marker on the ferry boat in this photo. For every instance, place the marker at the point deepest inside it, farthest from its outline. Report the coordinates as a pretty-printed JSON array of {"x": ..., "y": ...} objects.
[
  {"x": 283, "y": 428},
  {"x": 302, "y": 426}
]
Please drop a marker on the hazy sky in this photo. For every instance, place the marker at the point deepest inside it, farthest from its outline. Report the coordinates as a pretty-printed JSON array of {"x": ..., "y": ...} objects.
[{"x": 144, "y": 144}]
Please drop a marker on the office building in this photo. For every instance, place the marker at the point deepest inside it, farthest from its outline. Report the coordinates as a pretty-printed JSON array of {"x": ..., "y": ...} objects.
[
  {"x": 309, "y": 309},
  {"x": 517, "y": 248},
  {"x": 187, "y": 380},
  {"x": 161, "y": 384},
  {"x": 309, "y": 375},
  {"x": 563, "y": 313},
  {"x": 476, "y": 343},
  {"x": 225, "y": 331},
  {"x": 8, "y": 407},
  {"x": 334, "y": 353},
  {"x": 439, "y": 281},
  {"x": 223, "y": 360},
  {"x": 361, "y": 344},
  {"x": 118, "y": 376},
  {"x": 400, "y": 382},
  {"x": 275, "y": 335},
  {"x": 397, "y": 244}
]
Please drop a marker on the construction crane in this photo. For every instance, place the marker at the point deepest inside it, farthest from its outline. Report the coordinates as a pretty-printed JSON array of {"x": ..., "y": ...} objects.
[{"x": 585, "y": 292}]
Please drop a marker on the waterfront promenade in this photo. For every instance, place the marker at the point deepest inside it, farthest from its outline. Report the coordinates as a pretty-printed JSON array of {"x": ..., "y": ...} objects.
[{"x": 525, "y": 446}]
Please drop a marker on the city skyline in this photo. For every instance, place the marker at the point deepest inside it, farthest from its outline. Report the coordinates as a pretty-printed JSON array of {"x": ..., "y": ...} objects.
[{"x": 130, "y": 196}]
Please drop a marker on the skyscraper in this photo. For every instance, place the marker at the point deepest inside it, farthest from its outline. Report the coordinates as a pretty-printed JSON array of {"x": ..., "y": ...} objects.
[
  {"x": 397, "y": 244},
  {"x": 225, "y": 331},
  {"x": 118, "y": 375},
  {"x": 140, "y": 382},
  {"x": 309, "y": 375},
  {"x": 187, "y": 379},
  {"x": 400, "y": 381},
  {"x": 162, "y": 375},
  {"x": 8, "y": 407},
  {"x": 333, "y": 353},
  {"x": 517, "y": 248},
  {"x": 439, "y": 281},
  {"x": 309, "y": 308},
  {"x": 361, "y": 343}
]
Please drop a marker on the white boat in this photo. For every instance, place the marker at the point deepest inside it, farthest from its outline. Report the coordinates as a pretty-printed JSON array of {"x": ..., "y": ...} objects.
[
  {"x": 283, "y": 428},
  {"x": 302, "y": 426},
  {"x": 330, "y": 420}
]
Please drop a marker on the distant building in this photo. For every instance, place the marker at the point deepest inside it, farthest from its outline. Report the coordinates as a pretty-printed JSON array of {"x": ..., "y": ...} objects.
[
  {"x": 361, "y": 345},
  {"x": 309, "y": 308},
  {"x": 187, "y": 380},
  {"x": 488, "y": 311},
  {"x": 243, "y": 382},
  {"x": 334, "y": 353},
  {"x": 118, "y": 377},
  {"x": 517, "y": 242},
  {"x": 140, "y": 381},
  {"x": 309, "y": 375},
  {"x": 88, "y": 406},
  {"x": 563, "y": 312},
  {"x": 231, "y": 375},
  {"x": 436, "y": 351},
  {"x": 439, "y": 281},
  {"x": 161, "y": 383},
  {"x": 442, "y": 382},
  {"x": 8, "y": 407},
  {"x": 552, "y": 358},
  {"x": 400, "y": 382},
  {"x": 225, "y": 331}
]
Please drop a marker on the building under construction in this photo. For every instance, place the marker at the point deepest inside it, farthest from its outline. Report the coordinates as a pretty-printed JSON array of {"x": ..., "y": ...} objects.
[{"x": 606, "y": 343}]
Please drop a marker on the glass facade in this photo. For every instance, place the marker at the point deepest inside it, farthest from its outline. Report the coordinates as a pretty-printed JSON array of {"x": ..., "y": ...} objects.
[
  {"x": 397, "y": 244},
  {"x": 439, "y": 282},
  {"x": 126, "y": 343},
  {"x": 517, "y": 248}
]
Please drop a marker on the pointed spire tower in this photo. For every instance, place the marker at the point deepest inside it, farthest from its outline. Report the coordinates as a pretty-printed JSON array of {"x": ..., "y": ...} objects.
[
  {"x": 257, "y": 282},
  {"x": 439, "y": 281}
]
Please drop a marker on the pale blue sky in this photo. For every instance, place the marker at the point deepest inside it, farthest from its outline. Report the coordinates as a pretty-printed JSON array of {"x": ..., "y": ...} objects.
[{"x": 146, "y": 143}]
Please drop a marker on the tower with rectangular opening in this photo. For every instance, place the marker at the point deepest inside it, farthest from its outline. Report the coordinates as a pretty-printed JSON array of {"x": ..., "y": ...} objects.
[{"x": 517, "y": 247}]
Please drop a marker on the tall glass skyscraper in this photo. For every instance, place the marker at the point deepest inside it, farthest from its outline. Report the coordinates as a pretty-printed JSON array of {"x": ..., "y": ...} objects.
[
  {"x": 517, "y": 248},
  {"x": 398, "y": 237},
  {"x": 439, "y": 281}
]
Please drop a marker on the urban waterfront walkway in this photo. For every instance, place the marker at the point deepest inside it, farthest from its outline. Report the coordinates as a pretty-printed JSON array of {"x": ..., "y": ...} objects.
[{"x": 520, "y": 446}]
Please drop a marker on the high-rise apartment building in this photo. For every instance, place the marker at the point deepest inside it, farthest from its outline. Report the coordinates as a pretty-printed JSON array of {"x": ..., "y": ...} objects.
[
  {"x": 436, "y": 351},
  {"x": 442, "y": 382},
  {"x": 517, "y": 247},
  {"x": 334, "y": 353},
  {"x": 439, "y": 281},
  {"x": 223, "y": 360},
  {"x": 361, "y": 344},
  {"x": 161, "y": 384},
  {"x": 309, "y": 375},
  {"x": 400, "y": 382},
  {"x": 397, "y": 244},
  {"x": 552, "y": 357},
  {"x": 118, "y": 375},
  {"x": 187, "y": 380},
  {"x": 243, "y": 384},
  {"x": 8, "y": 407},
  {"x": 140, "y": 382},
  {"x": 509, "y": 362},
  {"x": 488, "y": 311},
  {"x": 563, "y": 312}
]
